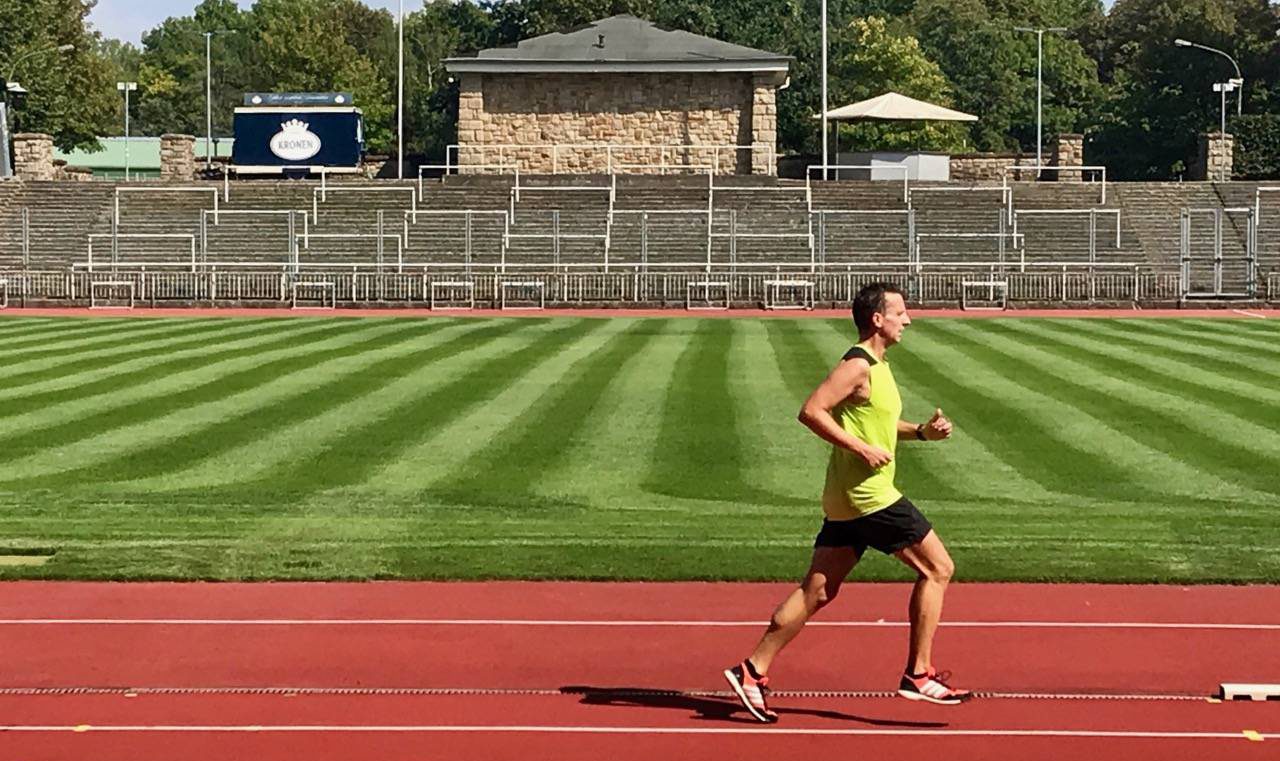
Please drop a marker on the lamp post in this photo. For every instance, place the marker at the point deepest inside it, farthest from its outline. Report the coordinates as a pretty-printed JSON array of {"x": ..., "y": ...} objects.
[
  {"x": 824, "y": 90},
  {"x": 13, "y": 70},
  {"x": 1039, "y": 85},
  {"x": 1240, "y": 77},
  {"x": 1224, "y": 88},
  {"x": 208, "y": 93},
  {"x": 126, "y": 88},
  {"x": 11, "y": 86}
]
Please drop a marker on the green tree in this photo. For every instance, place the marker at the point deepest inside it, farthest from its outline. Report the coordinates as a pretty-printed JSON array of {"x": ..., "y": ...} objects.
[
  {"x": 1161, "y": 95},
  {"x": 869, "y": 59},
  {"x": 442, "y": 29},
  {"x": 993, "y": 67},
  {"x": 71, "y": 93}
]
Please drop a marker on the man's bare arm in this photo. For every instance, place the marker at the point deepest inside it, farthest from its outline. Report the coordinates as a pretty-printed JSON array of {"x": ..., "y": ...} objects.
[
  {"x": 844, "y": 380},
  {"x": 937, "y": 428}
]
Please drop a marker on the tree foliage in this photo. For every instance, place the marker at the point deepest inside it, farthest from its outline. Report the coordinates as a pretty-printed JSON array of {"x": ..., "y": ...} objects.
[
  {"x": 71, "y": 93},
  {"x": 871, "y": 60}
]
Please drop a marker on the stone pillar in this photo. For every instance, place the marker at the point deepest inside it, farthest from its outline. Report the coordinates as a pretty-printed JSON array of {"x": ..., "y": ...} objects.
[
  {"x": 1068, "y": 150},
  {"x": 764, "y": 125},
  {"x": 177, "y": 158},
  {"x": 470, "y": 120},
  {"x": 1215, "y": 160},
  {"x": 33, "y": 156}
]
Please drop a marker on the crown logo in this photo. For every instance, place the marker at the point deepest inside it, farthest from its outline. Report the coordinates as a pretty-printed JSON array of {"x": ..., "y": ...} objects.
[{"x": 294, "y": 125}]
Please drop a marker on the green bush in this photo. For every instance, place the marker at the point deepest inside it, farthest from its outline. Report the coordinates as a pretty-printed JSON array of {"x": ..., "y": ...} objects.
[{"x": 1257, "y": 146}]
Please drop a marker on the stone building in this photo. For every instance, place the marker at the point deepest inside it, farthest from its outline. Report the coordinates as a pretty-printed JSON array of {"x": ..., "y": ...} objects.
[{"x": 621, "y": 94}]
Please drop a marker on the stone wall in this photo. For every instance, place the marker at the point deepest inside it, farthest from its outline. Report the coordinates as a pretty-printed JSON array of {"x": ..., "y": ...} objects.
[
  {"x": 1216, "y": 158},
  {"x": 647, "y": 118},
  {"x": 987, "y": 167},
  {"x": 177, "y": 158},
  {"x": 1068, "y": 150},
  {"x": 33, "y": 156}
]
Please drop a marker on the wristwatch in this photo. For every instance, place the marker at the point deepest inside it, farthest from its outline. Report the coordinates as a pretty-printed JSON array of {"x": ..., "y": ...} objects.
[{"x": 920, "y": 432}]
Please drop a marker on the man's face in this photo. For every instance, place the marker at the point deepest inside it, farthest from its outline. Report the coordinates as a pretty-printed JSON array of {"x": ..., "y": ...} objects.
[{"x": 891, "y": 322}]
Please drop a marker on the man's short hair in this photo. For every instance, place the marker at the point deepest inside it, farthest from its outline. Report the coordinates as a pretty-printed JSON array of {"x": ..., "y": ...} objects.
[{"x": 870, "y": 301}]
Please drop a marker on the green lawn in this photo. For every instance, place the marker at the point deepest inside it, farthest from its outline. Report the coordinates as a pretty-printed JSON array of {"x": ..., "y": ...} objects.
[{"x": 1113, "y": 450}]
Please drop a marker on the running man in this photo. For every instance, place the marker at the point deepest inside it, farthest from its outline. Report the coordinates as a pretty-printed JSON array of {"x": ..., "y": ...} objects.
[{"x": 858, "y": 409}]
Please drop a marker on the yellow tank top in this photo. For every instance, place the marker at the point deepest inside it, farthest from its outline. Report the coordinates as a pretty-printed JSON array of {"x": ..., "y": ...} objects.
[{"x": 853, "y": 489}]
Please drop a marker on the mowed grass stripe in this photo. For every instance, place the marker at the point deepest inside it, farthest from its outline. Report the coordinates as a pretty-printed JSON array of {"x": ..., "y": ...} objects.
[
  {"x": 58, "y": 426},
  {"x": 1209, "y": 438},
  {"x": 292, "y": 430},
  {"x": 66, "y": 330},
  {"x": 1047, "y": 440},
  {"x": 700, "y": 454},
  {"x": 22, "y": 332},
  {"x": 783, "y": 457},
  {"x": 286, "y": 377},
  {"x": 78, "y": 389},
  {"x": 60, "y": 376},
  {"x": 177, "y": 333},
  {"x": 608, "y": 461},
  {"x": 1242, "y": 373},
  {"x": 104, "y": 344},
  {"x": 360, "y": 454},
  {"x": 1199, "y": 376},
  {"x": 399, "y": 354},
  {"x": 1135, "y": 457},
  {"x": 1219, "y": 334},
  {"x": 920, "y": 470},
  {"x": 472, "y": 412},
  {"x": 511, "y": 469}
]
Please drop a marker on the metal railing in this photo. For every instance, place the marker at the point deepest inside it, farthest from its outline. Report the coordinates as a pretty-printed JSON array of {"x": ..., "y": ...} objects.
[
  {"x": 1101, "y": 172},
  {"x": 667, "y": 154},
  {"x": 906, "y": 184}
]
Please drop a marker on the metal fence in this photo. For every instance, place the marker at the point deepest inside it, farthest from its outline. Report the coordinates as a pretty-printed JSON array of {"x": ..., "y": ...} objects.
[{"x": 633, "y": 285}]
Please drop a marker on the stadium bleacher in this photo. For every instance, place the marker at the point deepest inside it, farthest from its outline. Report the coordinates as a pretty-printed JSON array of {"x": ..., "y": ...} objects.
[{"x": 682, "y": 225}]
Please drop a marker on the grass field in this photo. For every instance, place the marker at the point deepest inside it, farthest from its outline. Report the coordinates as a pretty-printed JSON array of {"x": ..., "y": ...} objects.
[{"x": 1114, "y": 450}]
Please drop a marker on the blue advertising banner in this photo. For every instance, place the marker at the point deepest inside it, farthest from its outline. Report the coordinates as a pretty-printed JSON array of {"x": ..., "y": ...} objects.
[{"x": 298, "y": 137}]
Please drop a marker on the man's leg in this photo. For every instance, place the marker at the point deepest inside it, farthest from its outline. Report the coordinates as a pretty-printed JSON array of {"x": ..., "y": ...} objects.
[
  {"x": 930, "y": 560},
  {"x": 827, "y": 570},
  {"x": 820, "y": 586}
]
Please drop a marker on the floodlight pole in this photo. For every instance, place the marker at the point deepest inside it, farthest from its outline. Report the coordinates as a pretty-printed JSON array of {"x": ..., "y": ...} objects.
[
  {"x": 126, "y": 88},
  {"x": 400, "y": 101},
  {"x": 1039, "y": 86},
  {"x": 824, "y": 90},
  {"x": 208, "y": 95}
]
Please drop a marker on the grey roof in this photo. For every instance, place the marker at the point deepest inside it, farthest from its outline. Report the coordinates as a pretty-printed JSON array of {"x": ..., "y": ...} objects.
[{"x": 621, "y": 44}]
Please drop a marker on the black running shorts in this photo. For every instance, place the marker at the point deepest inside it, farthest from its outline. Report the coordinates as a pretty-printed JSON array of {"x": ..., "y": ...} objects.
[{"x": 897, "y": 526}]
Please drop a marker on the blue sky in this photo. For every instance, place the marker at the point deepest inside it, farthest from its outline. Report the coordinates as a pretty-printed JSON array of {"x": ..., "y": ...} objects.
[{"x": 128, "y": 19}]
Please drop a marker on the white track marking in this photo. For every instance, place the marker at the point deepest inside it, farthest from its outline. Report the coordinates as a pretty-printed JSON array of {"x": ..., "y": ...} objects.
[
  {"x": 1247, "y": 313},
  {"x": 515, "y": 622},
  {"x": 436, "y": 692},
  {"x": 557, "y": 729}
]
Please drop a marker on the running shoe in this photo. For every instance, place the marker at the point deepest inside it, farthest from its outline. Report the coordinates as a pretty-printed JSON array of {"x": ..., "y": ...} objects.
[
  {"x": 751, "y": 692},
  {"x": 933, "y": 688}
]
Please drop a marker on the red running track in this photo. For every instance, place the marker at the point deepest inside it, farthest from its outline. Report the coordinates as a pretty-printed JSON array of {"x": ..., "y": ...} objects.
[
  {"x": 202, "y": 312},
  {"x": 622, "y": 671}
]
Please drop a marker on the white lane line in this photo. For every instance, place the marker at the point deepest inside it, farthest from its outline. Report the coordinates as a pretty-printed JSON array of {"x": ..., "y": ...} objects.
[
  {"x": 1247, "y": 313},
  {"x": 516, "y": 622},
  {"x": 567, "y": 692},
  {"x": 555, "y": 729}
]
